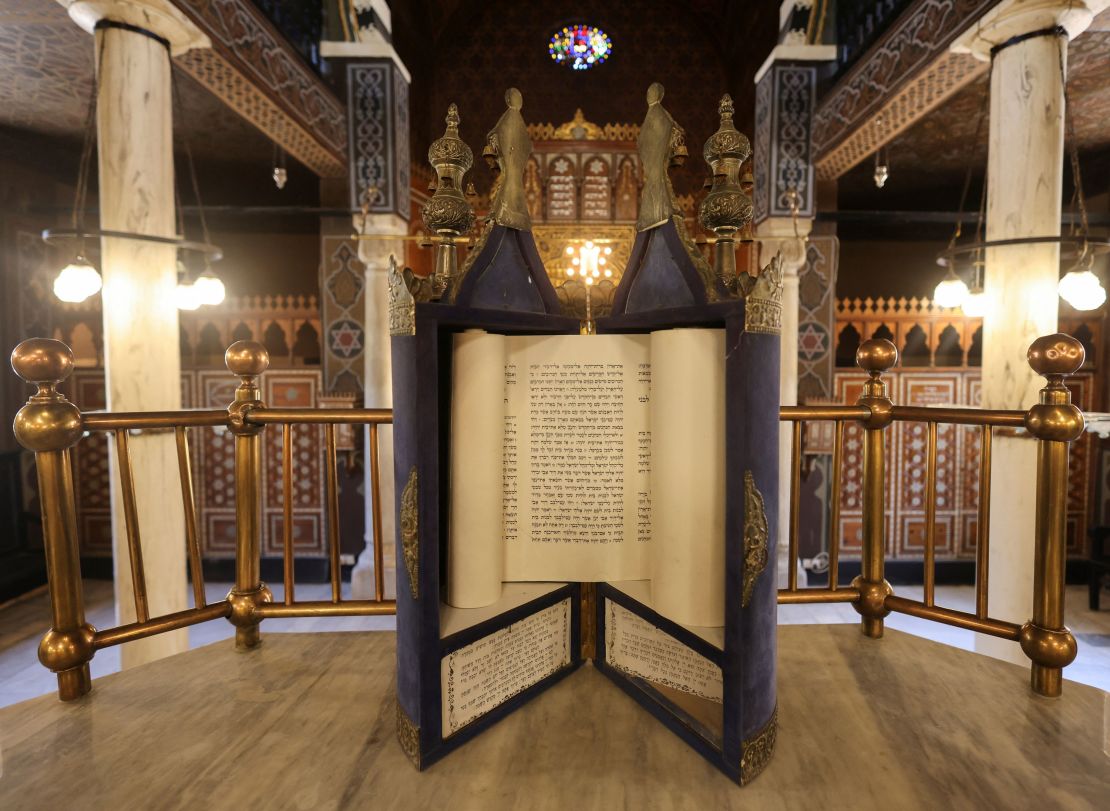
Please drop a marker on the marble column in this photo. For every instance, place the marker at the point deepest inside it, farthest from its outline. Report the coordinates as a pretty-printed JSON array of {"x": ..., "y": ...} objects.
[
  {"x": 378, "y": 104},
  {"x": 378, "y": 390},
  {"x": 141, "y": 342},
  {"x": 1024, "y": 177},
  {"x": 776, "y": 235}
]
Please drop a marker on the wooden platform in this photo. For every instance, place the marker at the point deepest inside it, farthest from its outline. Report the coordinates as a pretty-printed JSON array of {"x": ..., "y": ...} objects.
[{"x": 307, "y": 722}]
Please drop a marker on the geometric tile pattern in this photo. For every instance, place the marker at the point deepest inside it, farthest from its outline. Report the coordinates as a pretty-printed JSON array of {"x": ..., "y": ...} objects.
[
  {"x": 957, "y": 503},
  {"x": 212, "y": 453},
  {"x": 293, "y": 389},
  {"x": 343, "y": 310},
  {"x": 782, "y": 162},
  {"x": 817, "y": 317},
  {"x": 378, "y": 146}
]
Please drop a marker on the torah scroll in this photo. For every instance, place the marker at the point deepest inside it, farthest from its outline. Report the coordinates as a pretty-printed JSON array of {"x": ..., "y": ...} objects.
[{"x": 590, "y": 458}]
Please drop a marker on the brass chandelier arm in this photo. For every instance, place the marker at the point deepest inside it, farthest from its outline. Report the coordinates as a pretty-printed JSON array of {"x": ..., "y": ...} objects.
[
  {"x": 1092, "y": 244},
  {"x": 52, "y": 236}
]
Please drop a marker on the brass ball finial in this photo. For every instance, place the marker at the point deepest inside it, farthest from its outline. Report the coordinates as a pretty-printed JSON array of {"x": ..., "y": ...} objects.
[
  {"x": 876, "y": 356},
  {"x": 49, "y": 422},
  {"x": 1056, "y": 355},
  {"x": 247, "y": 359},
  {"x": 42, "y": 361}
]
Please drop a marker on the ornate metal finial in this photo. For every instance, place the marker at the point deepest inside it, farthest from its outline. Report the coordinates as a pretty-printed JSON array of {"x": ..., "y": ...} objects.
[
  {"x": 405, "y": 290},
  {"x": 763, "y": 302},
  {"x": 48, "y": 422},
  {"x": 725, "y": 109},
  {"x": 247, "y": 360},
  {"x": 402, "y": 305},
  {"x": 755, "y": 537},
  {"x": 509, "y": 146},
  {"x": 578, "y": 129},
  {"x": 876, "y": 356},
  {"x": 448, "y": 214},
  {"x": 1054, "y": 357},
  {"x": 727, "y": 208}
]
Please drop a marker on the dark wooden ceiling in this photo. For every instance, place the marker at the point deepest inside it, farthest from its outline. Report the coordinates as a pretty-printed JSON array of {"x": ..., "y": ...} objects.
[{"x": 928, "y": 162}]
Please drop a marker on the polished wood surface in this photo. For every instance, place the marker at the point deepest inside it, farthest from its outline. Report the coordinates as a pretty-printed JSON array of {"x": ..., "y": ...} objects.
[{"x": 306, "y": 722}]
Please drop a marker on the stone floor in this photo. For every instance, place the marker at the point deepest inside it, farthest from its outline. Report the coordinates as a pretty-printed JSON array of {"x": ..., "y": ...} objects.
[
  {"x": 307, "y": 722},
  {"x": 23, "y": 622}
]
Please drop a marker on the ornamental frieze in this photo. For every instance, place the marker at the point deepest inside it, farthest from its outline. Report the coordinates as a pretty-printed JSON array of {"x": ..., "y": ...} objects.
[{"x": 258, "y": 74}]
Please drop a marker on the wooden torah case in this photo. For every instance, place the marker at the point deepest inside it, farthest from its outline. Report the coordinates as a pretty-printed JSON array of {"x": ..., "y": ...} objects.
[{"x": 629, "y": 502}]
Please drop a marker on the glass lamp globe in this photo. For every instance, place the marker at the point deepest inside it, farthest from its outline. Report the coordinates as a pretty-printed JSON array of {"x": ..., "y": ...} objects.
[
  {"x": 1082, "y": 290},
  {"x": 77, "y": 281},
  {"x": 209, "y": 288},
  {"x": 951, "y": 292},
  {"x": 187, "y": 297},
  {"x": 975, "y": 305}
]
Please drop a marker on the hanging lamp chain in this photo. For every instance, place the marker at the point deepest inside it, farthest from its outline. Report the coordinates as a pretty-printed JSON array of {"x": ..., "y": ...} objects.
[
  {"x": 185, "y": 144},
  {"x": 87, "y": 146},
  {"x": 1078, "y": 198},
  {"x": 984, "y": 106}
]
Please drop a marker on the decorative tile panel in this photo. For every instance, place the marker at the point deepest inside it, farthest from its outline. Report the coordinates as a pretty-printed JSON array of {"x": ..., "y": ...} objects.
[
  {"x": 783, "y": 161},
  {"x": 212, "y": 452},
  {"x": 343, "y": 314},
  {"x": 958, "y": 454},
  {"x": 293, "y": 389},
  {"x": 378, "y": 149},
  {"x": 817, "y": 318}
]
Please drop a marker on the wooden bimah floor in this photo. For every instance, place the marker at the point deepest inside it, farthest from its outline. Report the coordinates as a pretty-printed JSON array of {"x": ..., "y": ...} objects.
[{"x": 307, "y": 722}]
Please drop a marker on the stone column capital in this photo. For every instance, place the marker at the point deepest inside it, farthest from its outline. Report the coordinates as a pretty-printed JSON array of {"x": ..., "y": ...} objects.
[
  {"x": 778, "y": 234},
  {"x": 374, "y": 253},
  {"x": 1012, "y": 18},
  {"x": 160, "y": 17}
]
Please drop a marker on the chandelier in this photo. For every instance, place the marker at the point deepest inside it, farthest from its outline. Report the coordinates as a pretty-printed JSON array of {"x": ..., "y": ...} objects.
[
  {"x": 588, "y": 262},
  {"x": 1079, "y": 287},
  {"x": 80, "y": 279}
]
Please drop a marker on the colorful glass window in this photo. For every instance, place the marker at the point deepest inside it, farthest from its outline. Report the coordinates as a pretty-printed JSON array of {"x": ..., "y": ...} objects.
[{"x": 580, "y": 46}]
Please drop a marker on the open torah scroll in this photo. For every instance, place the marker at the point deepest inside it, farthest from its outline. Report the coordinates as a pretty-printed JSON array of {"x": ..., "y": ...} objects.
[{"x": 590, "y": 458}]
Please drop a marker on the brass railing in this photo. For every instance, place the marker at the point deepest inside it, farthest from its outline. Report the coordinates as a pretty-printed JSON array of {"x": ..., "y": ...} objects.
[
  {"x": 1053, "y": 423},
  {"x": 50, "y": 426}
]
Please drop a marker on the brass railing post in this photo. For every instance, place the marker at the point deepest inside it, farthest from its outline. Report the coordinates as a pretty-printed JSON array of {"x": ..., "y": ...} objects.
[
  {"x": 50, "y": 425},
  {"x": 248, "y": 360},
  {"x": 1055, "y": 422},
  {"x": 875, "y": 357}
]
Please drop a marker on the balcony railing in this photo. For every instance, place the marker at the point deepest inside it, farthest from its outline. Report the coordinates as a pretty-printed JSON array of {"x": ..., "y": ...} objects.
[
  {"x": 1054, "y": 423},
  {"x": 859, "y": 23},
  {"x": 50, "y": 426}
]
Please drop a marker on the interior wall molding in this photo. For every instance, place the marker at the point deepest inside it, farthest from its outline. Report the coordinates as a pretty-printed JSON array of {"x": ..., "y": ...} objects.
[
  {"x": 907, "y": 73},
  {"x": 253, "y": 70}
]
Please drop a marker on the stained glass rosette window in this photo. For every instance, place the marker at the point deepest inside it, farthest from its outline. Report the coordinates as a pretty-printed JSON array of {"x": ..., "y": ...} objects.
[{"x": 580, "y": 46}]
